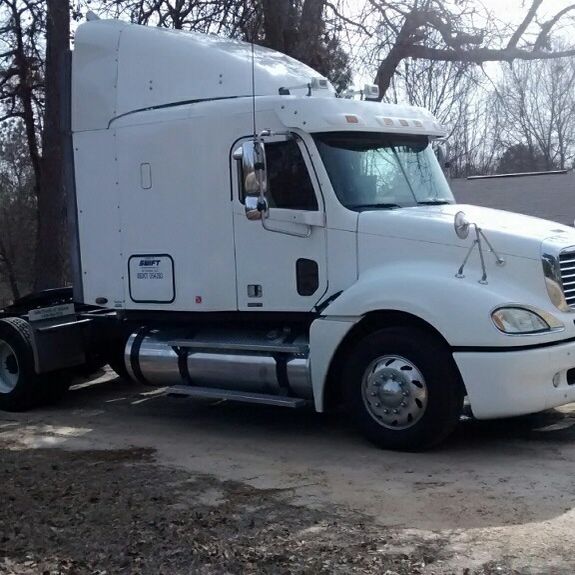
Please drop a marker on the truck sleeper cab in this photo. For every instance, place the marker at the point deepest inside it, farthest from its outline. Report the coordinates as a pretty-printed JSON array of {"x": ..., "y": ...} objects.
[{"x": 320, "y": 261}]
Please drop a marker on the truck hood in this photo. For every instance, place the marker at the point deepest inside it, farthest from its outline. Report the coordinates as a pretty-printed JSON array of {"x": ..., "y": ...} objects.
[{"x": 509, "y": 233}]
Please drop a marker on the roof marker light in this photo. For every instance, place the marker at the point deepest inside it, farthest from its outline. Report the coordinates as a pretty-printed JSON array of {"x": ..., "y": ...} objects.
[
  {"x": 319, "y": 83},
  {"x": 351, "y": 119},
  {"x": 370, "y": 92},
  {"x": 388, "y": 121},
  {"x": 404, "y": 122},
  {"x": 315, "y": 83}
]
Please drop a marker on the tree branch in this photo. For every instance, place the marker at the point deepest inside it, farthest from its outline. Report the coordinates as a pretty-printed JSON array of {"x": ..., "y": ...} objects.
[
  {"x": 480, "y": 55},
  {"x": 347, "y": 20},
  {"x": 518, "y": 34},
  {"x": 543, "y": 37}
]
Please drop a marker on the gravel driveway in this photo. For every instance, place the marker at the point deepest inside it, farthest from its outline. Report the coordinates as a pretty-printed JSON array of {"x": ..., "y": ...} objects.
[{"x": 121, "y": 479}]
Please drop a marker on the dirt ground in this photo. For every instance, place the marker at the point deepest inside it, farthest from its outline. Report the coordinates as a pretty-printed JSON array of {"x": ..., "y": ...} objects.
[{"x": 118, "y": 478}]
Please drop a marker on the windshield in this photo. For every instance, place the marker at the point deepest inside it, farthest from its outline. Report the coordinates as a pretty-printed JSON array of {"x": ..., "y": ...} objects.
[{"x": 377, "y": 171}]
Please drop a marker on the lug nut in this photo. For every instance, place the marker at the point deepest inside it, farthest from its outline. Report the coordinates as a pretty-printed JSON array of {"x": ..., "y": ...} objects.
[
  {"x": 378, "y": 404},
  {"x": 395, "y": 411},
  {"x": 403, "y": 404}
]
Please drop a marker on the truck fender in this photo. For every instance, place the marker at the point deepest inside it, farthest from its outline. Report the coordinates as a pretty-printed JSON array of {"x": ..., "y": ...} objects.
[
  {"x": 326, "y": 333},
  {"x": 457, "y": 309}
]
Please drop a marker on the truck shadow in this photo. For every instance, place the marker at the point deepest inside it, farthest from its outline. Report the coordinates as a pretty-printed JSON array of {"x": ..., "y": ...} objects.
[
  {"x": 551, "y": 426},
  {"x": 489, "y": 473}
]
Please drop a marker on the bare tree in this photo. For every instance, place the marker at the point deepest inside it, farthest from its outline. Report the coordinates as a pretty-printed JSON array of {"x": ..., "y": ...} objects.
[
  {"x": 538, "y": 102},
  {"x": 226, "y": 17},
  {"x": 30, "y": 90},
  {"x": 474, "y": 144},
  {"x": 22, "y": 71},
  {"x": 446, "y": 89},
  {"x": 454, "y": 32},
  {"x": 17, "y": 209}
]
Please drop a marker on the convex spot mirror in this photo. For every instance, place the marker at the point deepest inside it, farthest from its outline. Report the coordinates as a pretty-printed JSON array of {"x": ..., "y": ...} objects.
[
  {"x": 253, "y": 158},
  {"x": 461, "y": 225}
]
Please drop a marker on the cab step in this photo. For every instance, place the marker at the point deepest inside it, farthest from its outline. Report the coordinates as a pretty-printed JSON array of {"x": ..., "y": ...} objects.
[{"x": 240, "y": 396}]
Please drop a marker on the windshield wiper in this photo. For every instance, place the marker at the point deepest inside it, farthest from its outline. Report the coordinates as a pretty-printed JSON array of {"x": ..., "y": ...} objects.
[
  {"x": 372, "y": 206},
  {"x": 434, "y": 203}
]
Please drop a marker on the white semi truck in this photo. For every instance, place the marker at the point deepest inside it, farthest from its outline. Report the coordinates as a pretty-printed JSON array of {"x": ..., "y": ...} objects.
[{"x": 241, "y": 232}]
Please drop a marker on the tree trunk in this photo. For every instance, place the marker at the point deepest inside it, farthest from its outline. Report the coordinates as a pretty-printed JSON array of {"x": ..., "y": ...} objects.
[
  {"x": 397, "y": 53},
  {"x": 9, "y": 271},
  {"x": 310, "y": 29},
  {"x": 276, "y": 16},
  {"x": 51, "y": 246}
]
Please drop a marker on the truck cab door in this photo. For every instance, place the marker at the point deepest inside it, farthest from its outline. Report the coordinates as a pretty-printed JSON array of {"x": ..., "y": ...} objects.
[{"x": 281, "y": 262}]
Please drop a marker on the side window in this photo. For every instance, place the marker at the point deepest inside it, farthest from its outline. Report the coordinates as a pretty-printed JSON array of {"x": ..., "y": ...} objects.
[{"x": 289, "y": 184}]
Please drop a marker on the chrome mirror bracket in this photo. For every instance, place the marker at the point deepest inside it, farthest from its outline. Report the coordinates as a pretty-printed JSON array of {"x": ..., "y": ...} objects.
[{"x": 462, "y": 227}]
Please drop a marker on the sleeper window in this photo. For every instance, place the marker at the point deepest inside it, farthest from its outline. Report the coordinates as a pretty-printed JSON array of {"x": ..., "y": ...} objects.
[{"x": 289, "y": 183}]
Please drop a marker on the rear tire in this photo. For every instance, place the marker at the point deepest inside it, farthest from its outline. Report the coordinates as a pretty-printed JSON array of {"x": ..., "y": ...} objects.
[
  {"x": 19, "y": 383},
  {"x": 403, "y": 388}
]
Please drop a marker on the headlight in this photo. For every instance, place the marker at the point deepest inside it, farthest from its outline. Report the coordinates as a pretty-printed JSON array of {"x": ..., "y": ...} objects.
[
  {"x": 552, "y": 273},
  {"x": 520, "y": 320}
]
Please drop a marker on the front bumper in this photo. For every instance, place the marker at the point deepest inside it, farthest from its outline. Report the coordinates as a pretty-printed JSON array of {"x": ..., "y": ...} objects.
[{"x": 506, "y": 383}]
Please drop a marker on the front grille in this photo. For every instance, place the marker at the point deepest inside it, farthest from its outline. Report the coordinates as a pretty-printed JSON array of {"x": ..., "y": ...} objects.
[{"x": 567, "y": 265}]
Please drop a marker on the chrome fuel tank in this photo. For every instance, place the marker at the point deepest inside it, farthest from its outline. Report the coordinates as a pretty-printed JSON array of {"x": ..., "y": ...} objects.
[{"x": 152, "y": 358}]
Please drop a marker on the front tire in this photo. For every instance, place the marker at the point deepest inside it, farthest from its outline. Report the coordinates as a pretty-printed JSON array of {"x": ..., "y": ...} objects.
[{"x": 403, "y": 388}]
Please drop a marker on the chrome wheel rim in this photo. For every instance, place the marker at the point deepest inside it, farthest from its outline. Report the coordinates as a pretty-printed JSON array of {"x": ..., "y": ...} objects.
[
  {"x": 394, "y": 392},
  {"x": 9, "y": 368}
]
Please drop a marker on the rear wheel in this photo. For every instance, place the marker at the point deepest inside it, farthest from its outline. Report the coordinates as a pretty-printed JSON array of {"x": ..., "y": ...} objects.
[
  {"x": 19, "y": 383},
  {"x": 403, "y": 388}
]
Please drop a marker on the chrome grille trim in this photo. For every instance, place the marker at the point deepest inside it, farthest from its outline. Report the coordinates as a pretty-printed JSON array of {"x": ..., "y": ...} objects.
[{"x": 567, "y": 271}]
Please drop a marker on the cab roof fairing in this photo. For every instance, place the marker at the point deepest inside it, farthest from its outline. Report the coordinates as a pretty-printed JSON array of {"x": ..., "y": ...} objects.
[{"x": 119, "y": 68}]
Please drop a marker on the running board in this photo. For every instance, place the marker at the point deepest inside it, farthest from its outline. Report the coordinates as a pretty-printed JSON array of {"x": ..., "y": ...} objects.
[{"x": 231, "y": 395}]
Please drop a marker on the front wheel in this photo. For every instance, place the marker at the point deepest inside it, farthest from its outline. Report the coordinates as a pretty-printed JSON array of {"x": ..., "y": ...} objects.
[{"x": 403, "y": 389}]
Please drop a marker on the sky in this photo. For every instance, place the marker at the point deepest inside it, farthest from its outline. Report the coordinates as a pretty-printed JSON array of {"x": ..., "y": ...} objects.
[{"x": 512, "y": 10}]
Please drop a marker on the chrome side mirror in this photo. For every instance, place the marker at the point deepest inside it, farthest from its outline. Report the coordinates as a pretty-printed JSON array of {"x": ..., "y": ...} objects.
[
  {"x": 461, "y": 225},
  {"x": 253, "y": 157}
]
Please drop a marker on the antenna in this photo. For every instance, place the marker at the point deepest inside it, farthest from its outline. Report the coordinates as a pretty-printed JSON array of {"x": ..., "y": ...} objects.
[{"x": 254, "y": 91}]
